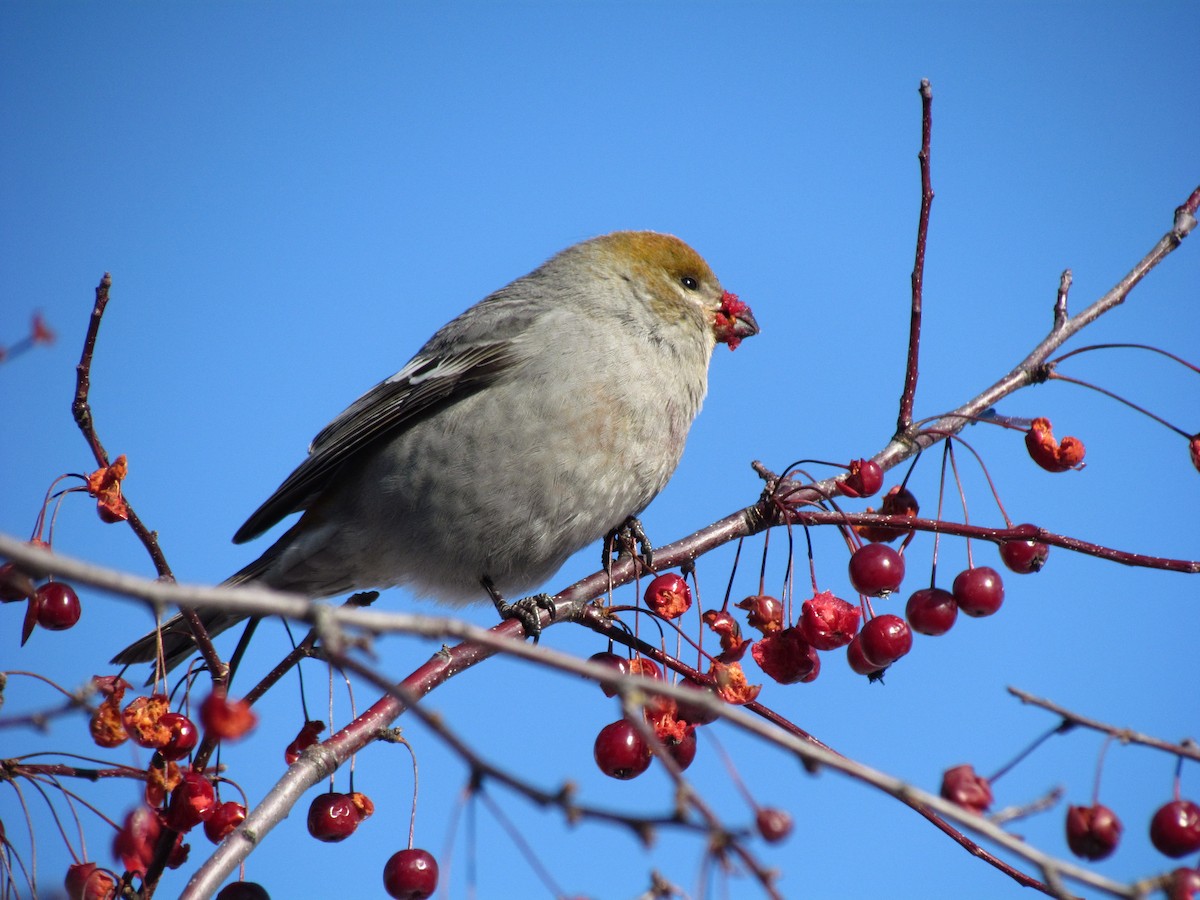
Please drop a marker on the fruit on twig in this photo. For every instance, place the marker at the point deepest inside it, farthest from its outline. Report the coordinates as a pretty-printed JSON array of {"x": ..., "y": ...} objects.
[
  {"x": 410, "y": 875},
  {"x": 931, "y": 611},
  {"x": 876, "y": 570},
  {"x": 669, "y": 595},
  {"x": 978, "y": 591},
  {"x": 963, "y": 786},
  {"x": 243, "y": 890},
  {"x": 57, "y": 606},
  {"x": 183, "y": 736},
  {"x": 884, "y": 639},
  {"x": 864, "y": 480},
  {"x": 773, "y": 824},
  {"x": 1175, "y": 828},
  {"x": 224, "y": 819},
  {"x": 333, "y": 817},
  {"x": 621, "y": 751},
  {"x": 1024, "y": 557},
  {"x": 1093, "y": 832}
]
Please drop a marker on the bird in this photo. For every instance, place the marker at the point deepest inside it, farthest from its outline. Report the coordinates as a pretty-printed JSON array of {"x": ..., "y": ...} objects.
[{"x": 537, "y": 422}]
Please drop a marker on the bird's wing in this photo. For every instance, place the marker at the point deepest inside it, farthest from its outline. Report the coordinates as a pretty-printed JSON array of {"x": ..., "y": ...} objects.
[{"x": 428, "y": 383}]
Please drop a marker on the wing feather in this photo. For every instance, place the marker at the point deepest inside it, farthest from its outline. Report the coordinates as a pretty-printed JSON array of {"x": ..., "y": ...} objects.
[{"x": 426, "y": 384}]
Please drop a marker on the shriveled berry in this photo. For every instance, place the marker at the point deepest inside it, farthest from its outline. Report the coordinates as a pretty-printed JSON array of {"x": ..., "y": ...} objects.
[
  {"x": 57, "y": 606},
  {"x": 226, "y": 719},
  {"x": 85, "y": 881},
  {"x": 192, "y": 802},
  {"x": 865, "y": 479},
  {"x": 931, "y": 611},
  {"x": 410, "y": 875},
  {"x": 669, "y": 595},
  {"x": 332, "y": 817},
  {"x": 1093, "y": 832},
  {"x": 308, "y": 735},
  {"x": 647, "y": 668},
  {"x": 828, "y": 622},
  {"x": 224, "y": 819},
  {"x": 963, "y": 786},
  {"x": 1175, "y": 828},
  {"x": 620, "y": 751},
  {"x": 876, "y": 570},
  {"x": 786, "y": 656},
  {"x": 763, "y": 613},
  {"x": 1024, "y": 557},
  {"x": 979, "y": 591},
  {"x": 884, "y": 639},
  {"x": 693, "y": 714},
  {"x": 184, "y": 736}
]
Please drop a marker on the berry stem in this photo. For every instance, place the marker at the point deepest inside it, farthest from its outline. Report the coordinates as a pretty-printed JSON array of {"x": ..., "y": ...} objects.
[
  {"x": 1061, "y": 728},
  {"x": 1099, "y": 770}
]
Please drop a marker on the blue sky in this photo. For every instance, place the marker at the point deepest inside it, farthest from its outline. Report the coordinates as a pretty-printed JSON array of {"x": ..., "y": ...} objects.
[{"x": 292, "y": 197}]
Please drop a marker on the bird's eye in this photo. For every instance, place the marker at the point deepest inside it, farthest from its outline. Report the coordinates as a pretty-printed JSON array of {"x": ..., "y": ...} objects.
[{"x": 689, "y": 282}]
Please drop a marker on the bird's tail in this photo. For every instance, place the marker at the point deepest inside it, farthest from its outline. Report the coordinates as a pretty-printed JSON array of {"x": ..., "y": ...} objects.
[{"x": 177, "y": 641}]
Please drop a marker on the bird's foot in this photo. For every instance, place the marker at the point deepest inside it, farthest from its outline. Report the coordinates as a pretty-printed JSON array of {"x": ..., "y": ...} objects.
[
  {"x": 524, "y": 610},
  {"x": 623, "y": 540}
]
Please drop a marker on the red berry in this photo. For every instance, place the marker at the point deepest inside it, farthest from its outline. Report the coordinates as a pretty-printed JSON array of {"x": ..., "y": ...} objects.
[
  {"x": 858, "y": 662},
  {"x": 617, "y": 663},
  {"x": 410, "y": 875},
  {"x": 885, "y": 639},
  {"x": 647, "y": 668},
  {"x": 57, "y": 606},
  {"x": 11, "y": 579},
  {"x": 669, "y": 595},
  {"x": 1024, "y": 557},
  {"x": 962, "y": 786},
  {"x": 865, "y": 479},
  {"x": 876, "y": 570},
  {"x": 786, "y": 657},
  {"x": 1185, "y": 883},
  {"x": 86, "y": 882},
  {"x": 1093, "y": 832},
  {"x": 763, "y": 613},
  {"x": 308, "y": 735},
  {"x": 773, "y": 824},
  {"x": 332, "y": 817},
  {"x": 184, "y": 736},
  {"x": 192, "y": 802},
  {"x": 620, "y": 751},
  {"x": 243, "y": 890},
  {"x": 828, "y": 622},
  {"x": 979, "y": 591},
  {"x": 1175, "y": 828},
  {"x": 225, "y": 818},
  {"x": 693, "y": 714},
  {"x": 931, "y": 611},
  {"x": 683, "y": 751}
]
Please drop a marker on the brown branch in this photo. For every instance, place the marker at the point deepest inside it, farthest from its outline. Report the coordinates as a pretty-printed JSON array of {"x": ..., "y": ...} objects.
[
  {"x": 81, "y": 409},
  {"x": 911, "y": 367},
  {"x": 1187, "y": 748}
]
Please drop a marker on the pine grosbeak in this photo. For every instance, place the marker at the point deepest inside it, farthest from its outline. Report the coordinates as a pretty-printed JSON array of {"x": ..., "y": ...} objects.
[{"x": 532, "y": 425}]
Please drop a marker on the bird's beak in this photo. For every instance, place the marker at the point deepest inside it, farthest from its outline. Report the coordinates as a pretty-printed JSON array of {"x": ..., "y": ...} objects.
[{"x": 734, "y": 321}]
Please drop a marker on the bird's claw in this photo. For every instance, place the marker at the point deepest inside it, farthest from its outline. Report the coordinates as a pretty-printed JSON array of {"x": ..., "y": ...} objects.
[
  {"x": 525, "y": 610},
  {"x": 623, "y": 540}
]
